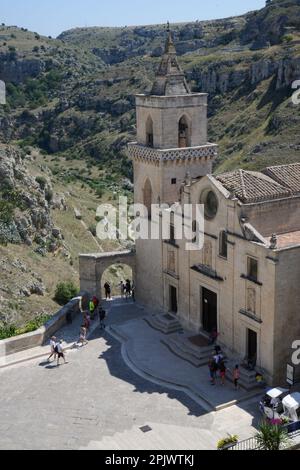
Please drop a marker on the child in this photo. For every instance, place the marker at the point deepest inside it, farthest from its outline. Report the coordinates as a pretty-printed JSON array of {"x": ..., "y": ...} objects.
[
  {"x": 222, "y": 372},
  {"x": 82, "y": 338},
  {"x": 212, "y": 371}
]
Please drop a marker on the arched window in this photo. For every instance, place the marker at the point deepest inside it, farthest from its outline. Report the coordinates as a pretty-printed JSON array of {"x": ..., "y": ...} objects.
[
  {"x": 149, "y": 132},
  {"x": 183, "y": 133},
  {"x": 148, "y": 196},
  {"x": 223, "y": 251}
]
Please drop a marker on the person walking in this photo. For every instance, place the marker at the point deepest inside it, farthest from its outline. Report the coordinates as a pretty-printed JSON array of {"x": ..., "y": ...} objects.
[
  {"x": 92, "y": 309},
  {"x": 87, "y": 320},
  {"x": 133, "y": 291},
  {"x": 52, "y": 346},
  {"x": 213, "y": 337},
  {"x": 102, "y": 316},
  {"x": 223, "y": 371},
  {"x": 60, "y": 352},
  {"x": 236, "y": 377},
  {"x": 122, "y": 289},
  {"x": 107, "y": 289},
  {"x": 212, "y": 371},
  {"x": 128, "y": 289},
  {"x": 218, "y": 358},
  {"x": 82, "y": 338}
]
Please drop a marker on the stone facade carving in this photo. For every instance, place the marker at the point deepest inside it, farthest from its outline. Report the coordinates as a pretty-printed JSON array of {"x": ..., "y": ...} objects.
[
  {"x": 143, "y": 153},
  {"x": 207, "y": 254},
  {"x": 171, "y": 262},
  {"x": 251, "y": 300}
]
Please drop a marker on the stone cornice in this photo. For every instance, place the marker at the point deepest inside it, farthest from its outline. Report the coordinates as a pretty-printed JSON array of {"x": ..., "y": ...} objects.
[{"x": 138, "y": 152}]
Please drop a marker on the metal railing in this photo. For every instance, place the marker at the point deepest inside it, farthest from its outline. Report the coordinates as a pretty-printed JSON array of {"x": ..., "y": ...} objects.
[
  {"x": 247, "y": 444},
  {"x": 293, "y": 430}
]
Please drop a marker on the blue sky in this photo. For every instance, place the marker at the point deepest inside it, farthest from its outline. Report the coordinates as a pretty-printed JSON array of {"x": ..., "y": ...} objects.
[{"x": 51, "y": 17}]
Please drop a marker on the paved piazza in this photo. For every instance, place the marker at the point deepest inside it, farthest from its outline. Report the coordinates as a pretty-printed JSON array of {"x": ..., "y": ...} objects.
[{"x": 96, "y": 396}]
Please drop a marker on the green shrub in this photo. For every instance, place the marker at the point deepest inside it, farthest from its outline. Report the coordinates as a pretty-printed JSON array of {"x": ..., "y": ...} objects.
[
  {"x": 6, "y": 211},
  {"x": 33, "y": 325},
  {"x": 65, "y": 291},
  {"x": 272, "y": 437},
  {"x": 49, "y": 195},
  {"x": 41, "y": 181},
  {"x": 227, "y": 441},
  {"x": 7, "y": 331},
  {"x": 100, "y": 192},
  {"x": 288, "y": 38}
]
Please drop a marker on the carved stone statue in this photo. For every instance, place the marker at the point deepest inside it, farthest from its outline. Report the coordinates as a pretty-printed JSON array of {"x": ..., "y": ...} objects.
[
  {"x": 207, "y": 254},
  {"x": 251, "y": 300},
  {"x": 273, "y": 241},
  {"x": 171, "y": 262}
]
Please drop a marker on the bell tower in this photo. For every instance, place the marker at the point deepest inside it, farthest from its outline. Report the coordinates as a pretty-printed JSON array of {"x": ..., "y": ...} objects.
[
  {"x": 171, "y": 144},
  {"x": 171, "y": 133}
]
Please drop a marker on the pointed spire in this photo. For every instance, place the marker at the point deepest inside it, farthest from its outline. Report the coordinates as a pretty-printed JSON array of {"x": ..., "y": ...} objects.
[
  {"x": 170, "y": 47},
  {"x": 170, "y": 78}
]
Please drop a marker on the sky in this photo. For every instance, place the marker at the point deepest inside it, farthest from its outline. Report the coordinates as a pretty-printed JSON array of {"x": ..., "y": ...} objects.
[{"x": 51, "y": 17}]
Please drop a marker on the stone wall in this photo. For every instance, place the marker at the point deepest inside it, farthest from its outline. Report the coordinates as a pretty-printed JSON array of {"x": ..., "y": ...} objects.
[
  {"x": 40, "y": 336},
  {"x": 280, "y": 216},
  {"x": 287, "y": 317}
]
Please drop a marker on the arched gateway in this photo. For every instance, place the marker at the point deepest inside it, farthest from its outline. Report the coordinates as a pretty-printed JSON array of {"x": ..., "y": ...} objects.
[{"x": 92, "y": 267}]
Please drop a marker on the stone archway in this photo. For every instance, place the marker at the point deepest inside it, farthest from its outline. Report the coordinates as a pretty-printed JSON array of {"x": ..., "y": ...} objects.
[{"x": 92, "y": 268}]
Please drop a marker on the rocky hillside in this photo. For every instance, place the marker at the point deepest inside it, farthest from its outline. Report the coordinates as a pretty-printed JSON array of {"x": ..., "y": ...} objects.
[
  {"x": 46, "y": 219},
  {"x": 74, "y": 96}
]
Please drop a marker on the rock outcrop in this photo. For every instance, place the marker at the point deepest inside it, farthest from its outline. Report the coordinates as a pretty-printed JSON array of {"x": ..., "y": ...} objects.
[{"x": 25, "y": 203}]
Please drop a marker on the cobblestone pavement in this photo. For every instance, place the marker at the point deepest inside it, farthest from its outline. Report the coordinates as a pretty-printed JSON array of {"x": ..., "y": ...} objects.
[{"x": 95, "y": 396}]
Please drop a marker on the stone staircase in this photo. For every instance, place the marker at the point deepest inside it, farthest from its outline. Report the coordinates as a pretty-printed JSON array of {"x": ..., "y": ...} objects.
[
  {"x": 157, "y": 437},
  {"x": 164, "y": 323},
  {"x": 247, "y": 377},
  {"x": 116, "y": 332},
  {"x": 181, "y": 346}
]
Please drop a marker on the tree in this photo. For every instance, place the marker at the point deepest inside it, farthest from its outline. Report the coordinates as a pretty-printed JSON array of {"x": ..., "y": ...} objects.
[
  {"x": 271, "y": 437},
  {"x": 65, "y": 291}
]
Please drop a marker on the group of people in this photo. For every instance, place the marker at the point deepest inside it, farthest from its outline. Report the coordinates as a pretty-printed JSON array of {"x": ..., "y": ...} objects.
[
  {"x": 94, "y": 311},
  {"x": 217, "y": 366},
  {"x": 127, "y": 290},
  {"x": 57, "y": 350}
]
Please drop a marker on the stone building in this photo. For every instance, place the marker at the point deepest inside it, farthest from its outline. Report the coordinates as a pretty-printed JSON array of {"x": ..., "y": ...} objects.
[{"x": 245, "y": 280}]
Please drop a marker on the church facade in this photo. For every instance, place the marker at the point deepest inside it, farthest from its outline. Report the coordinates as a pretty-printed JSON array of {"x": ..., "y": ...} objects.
[{"x": 244, "y": 283}]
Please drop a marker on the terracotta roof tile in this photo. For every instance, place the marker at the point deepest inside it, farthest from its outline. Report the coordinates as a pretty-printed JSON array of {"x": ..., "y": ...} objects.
[
  {"x": 251, "y": 187},
  {"x": 286, "y": 175}
]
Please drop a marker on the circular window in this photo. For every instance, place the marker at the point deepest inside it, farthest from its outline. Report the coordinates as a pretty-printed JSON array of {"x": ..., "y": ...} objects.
[{"x": 211, "y": 204}]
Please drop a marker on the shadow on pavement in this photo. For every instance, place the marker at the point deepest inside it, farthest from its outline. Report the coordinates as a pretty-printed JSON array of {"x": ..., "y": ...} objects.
[{"x": 119, "y": 369}]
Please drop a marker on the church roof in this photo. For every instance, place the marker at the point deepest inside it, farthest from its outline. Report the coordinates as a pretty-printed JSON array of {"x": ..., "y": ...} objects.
[
  {"x": 170, "y": 79},
  {"x": 251, "y": 186},
  {"x": 286, "y": 175}
]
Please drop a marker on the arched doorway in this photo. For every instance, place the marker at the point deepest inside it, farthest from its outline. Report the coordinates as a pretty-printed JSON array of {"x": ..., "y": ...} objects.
[
  {"x": 114, "y": 276},
  {"x": 148, "y": 196},
  {"x": 184, "y": 133},
  {"x": 93, "y": 267},
  {"x": 149, "y": 132}
]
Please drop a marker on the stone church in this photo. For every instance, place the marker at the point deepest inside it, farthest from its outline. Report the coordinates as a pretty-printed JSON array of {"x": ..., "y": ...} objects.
[{"x": 245, "y": 281}]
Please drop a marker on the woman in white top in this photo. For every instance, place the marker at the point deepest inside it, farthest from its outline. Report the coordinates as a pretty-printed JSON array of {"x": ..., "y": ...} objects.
[{"x": 52, "y": 346}]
